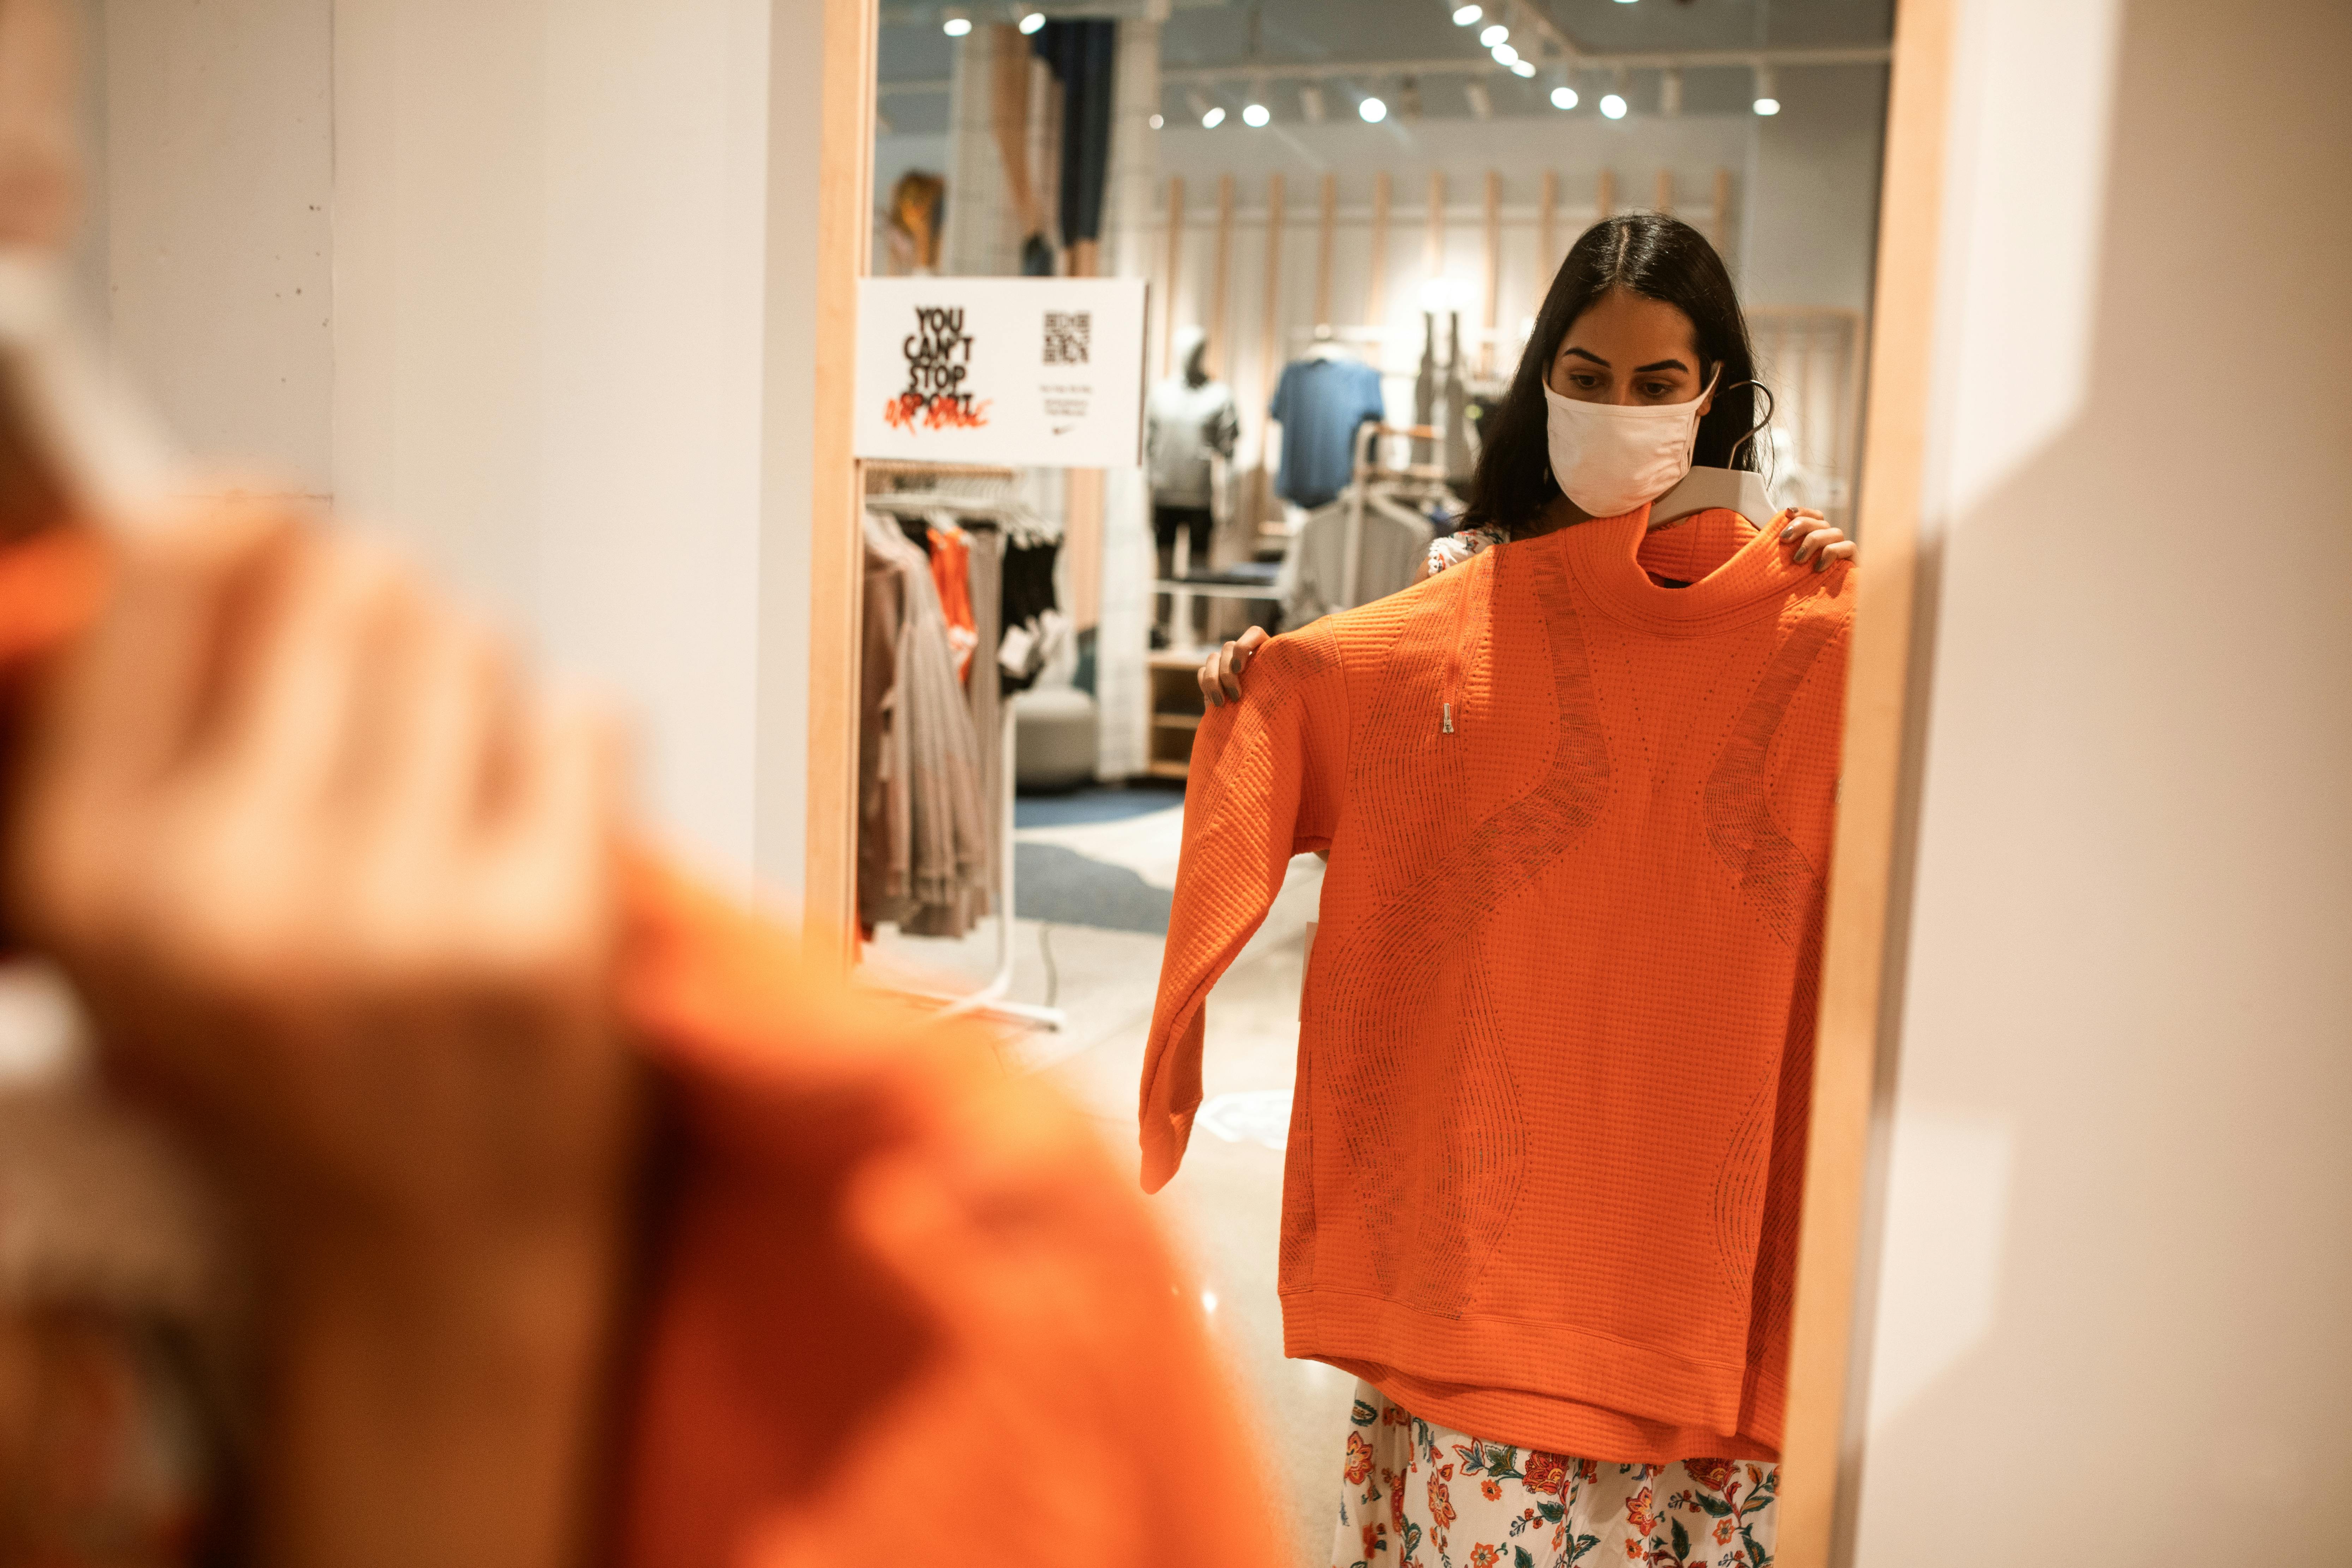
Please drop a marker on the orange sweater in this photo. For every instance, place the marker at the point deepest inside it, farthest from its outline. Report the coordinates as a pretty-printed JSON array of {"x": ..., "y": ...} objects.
[
  {"x": 892, "y": 1288},
  {"x": 1556, "y": 1049}
]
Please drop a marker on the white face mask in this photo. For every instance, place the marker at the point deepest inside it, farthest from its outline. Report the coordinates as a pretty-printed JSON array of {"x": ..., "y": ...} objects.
[{"x": 1610, "y": 457}]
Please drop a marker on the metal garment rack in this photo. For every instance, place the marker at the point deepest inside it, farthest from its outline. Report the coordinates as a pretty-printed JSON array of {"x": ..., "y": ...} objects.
[
  {"x": 991, "y": 999},
  {"x": 1183, "y": 589},
  {"x": 1416, "y": 480}
]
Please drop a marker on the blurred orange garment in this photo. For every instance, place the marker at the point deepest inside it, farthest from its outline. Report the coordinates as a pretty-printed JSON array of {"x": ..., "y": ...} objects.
[
  {"x": 1556, "y": 1045},
  {"x": 951, "y": 570},
  {"x": 887, "y": 1273}
]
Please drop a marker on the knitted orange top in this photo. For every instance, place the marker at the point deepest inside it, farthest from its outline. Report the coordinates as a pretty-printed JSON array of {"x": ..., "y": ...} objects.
[{"x": 1546, "y": 1145}]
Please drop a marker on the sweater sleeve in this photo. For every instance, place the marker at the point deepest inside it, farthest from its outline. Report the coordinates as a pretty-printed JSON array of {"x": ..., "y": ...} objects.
[{"x": 1265, "y": 786}]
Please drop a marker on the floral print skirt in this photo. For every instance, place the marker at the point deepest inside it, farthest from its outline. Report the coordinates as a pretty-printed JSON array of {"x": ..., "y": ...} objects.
[{"x": 1424, "y": 1496}]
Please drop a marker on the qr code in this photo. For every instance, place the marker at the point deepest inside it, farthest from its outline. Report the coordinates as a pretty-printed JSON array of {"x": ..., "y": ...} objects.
[{"x": 1066, "y": 335}]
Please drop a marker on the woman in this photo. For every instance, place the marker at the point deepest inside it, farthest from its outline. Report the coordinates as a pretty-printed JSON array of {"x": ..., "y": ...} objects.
[{"x": 1556, "y": 1041}]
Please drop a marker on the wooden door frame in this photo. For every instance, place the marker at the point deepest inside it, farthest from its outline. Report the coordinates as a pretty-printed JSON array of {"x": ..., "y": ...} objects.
[
  {"x": 844, "y": 227},
  {"x": 1819, "y": 1449},
  {"x": 1856, "y": 994}
]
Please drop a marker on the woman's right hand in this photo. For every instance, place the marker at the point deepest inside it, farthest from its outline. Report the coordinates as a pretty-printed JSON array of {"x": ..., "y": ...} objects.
[{"x": 1221, "y": 672}]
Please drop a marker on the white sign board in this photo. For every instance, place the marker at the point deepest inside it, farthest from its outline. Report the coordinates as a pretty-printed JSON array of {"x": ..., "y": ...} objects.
[{"x": 1025, "y": 371}]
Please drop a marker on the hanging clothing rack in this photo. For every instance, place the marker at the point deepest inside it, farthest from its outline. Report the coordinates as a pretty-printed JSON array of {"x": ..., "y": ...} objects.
[
  {"x": 1373, "y": 482},
  {"x": 1012, "y": 518}
]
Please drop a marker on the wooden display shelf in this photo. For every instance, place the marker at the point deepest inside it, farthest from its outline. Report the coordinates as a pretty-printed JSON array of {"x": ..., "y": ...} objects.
[{"x": 1177, "y": 710}]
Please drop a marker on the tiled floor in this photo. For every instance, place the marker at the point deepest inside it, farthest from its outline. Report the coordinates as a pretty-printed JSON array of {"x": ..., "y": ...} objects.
[{"x": 1223, "y": 1208}]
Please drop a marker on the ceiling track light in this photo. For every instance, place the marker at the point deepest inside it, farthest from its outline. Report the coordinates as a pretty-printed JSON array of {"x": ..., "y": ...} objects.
[
  {"x": 1466, "y": 15},
  {"x": 1523, "y": 68},
  {"x": 1490, "y": 36},
  {"x": 1563, "y": 98},
  {"x": 1768, "y": 91},
  {"x": 1372, "y": 111},
  {"x": 1504, "y": 55},
  {"x": 1256, "y": 115},
  {"x": 1031, "y": 21},
  {"x": 955, "y": 22}
]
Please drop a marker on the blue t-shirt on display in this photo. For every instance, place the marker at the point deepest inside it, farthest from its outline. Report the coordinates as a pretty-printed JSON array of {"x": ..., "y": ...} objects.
[{"x": 1320, "y": 401}]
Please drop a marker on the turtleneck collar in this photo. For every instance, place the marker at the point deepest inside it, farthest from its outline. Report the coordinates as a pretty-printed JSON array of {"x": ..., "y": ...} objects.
[{"x": 1603, "y": 555}]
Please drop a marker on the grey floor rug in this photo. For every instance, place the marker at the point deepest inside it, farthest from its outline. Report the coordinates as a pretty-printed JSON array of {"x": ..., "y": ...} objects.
[{"x": 1053, "y": 883}]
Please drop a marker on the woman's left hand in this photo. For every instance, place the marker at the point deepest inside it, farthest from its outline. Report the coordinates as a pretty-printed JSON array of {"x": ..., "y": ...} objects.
[{"x": 1814, "y": 539}]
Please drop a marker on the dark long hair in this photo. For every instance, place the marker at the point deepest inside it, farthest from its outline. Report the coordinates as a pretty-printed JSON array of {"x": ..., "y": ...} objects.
[{"x": 1658, "y": 258}]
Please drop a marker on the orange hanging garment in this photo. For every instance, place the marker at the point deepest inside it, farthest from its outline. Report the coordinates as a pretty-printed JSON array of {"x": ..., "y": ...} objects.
[
  {"x": 885, "y": 1275},
  {"x": 1547, "y": 1142},
  {"x": 951, "y": 573}
]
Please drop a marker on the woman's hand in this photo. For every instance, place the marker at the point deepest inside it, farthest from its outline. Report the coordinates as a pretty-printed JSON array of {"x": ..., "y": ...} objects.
[
  {"x": 1814, "y": 539},
  {"x": 1221, "y": 672},
  {"x": 339, "y": 893}
]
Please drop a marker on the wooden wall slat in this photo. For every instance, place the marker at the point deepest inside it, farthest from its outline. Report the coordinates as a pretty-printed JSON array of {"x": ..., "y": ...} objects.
[
  {"x": 1323, "y": 235},
  {"x": 1433, "y": 244},
  {"x": 1174, "y": 274},
  {"x": 1547, "y": 250},
  {"x": 1269, "y": 351},
  {"x": 1219, "y": 341},
  {"x": 1493, "y": 278}
]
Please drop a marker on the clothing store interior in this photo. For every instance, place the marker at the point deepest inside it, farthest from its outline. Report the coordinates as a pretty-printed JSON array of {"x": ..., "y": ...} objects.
[{"x": 1399, "y": 783}]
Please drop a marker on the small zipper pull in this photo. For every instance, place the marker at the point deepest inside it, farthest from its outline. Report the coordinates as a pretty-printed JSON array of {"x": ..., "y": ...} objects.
[{"x": 1449, "y": 719}]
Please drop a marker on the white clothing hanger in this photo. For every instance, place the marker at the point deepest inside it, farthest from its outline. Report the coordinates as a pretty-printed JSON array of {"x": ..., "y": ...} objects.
[
  {"x": 86, "y": 452},
  {"x": 1706, "y": 490},
  {"x": 1728, "y": 490},
  {"x": 108, "y": 460}
]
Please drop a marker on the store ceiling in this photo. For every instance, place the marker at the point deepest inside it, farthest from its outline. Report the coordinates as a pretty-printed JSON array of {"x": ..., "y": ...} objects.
[
  {"x": 1410, "y": 29},
  {"x": 1253, "y": 36}
]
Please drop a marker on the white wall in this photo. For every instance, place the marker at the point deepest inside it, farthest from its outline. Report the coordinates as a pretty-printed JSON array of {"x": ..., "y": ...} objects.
[
  {"x": 208, "y": 246},
  {"x": 549, "y": 346},
  {"x": 1809, "y": 206},
  {"x": 795, "y": 114},
  {"x": 497, "y": 277},
  {"x": 2111, "y": 1309}
]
